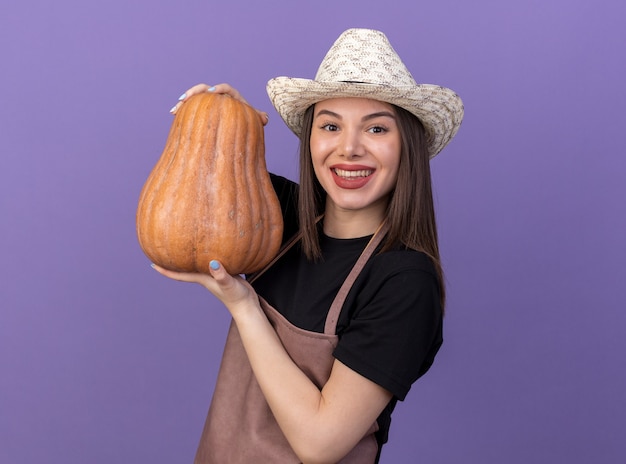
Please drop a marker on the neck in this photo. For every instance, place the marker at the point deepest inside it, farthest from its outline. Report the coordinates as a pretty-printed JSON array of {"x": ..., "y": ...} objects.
[{"x": 351, "y": 224}]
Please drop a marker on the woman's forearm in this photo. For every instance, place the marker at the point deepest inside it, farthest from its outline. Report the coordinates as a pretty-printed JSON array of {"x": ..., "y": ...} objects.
[
  {"x": 293, "y": 398},
  {"x": 321, "y": 426}
]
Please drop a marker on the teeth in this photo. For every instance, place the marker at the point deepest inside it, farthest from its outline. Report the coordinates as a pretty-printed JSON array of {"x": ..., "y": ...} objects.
[{"x": 350, "y": 174}]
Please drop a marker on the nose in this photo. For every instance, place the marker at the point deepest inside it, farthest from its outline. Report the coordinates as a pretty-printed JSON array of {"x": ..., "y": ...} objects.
[{"x": 351, "y": 145}]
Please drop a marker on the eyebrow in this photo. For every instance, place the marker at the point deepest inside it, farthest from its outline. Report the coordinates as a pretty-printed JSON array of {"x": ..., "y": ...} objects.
[{"x": 365, "y": 118}]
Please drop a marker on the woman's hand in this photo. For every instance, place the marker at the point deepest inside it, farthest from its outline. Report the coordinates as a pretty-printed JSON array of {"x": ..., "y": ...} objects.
[
  {"x": 236, "y": 294},
  {"x": 219, "y": 88}
]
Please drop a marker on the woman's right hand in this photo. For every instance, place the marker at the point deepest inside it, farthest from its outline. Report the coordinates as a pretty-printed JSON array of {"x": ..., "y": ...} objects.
[{"x": 219, "y": 88}]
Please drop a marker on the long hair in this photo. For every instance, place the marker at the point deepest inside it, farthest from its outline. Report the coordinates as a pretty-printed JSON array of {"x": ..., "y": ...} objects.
[{"x": 410, "y": 211}]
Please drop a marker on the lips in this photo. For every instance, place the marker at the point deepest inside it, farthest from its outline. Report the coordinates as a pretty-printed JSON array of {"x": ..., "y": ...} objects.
[
  {"x": 351, "y": 177},
  {"x": 352, "y": 174}
]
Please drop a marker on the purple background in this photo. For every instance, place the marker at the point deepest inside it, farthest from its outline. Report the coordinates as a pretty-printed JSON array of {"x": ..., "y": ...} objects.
[{"x": 102, "y": 360}]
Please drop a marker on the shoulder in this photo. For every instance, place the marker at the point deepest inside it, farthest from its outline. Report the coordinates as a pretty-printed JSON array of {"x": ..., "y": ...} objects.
[
  {"x": 402, "y": 265},
  {"x": 404, "y": 259},
  {"x": 399, "y": 287}
]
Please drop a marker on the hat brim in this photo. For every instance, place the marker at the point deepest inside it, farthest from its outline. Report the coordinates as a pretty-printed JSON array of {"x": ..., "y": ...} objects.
[{"x": 438, "y": 108}]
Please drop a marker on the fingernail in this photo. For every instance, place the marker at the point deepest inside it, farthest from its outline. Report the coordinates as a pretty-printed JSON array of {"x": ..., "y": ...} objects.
[
  {"x": 211, "y": 89},
  {"x": 152, "y": 265},
  {"x": 173, "y": 109},
  {"x": 214, "y": 265},
  {"x": 182, "y": 97}
]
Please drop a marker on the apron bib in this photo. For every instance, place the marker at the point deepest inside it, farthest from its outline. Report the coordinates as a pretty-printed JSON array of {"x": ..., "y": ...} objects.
[{"x": 240, "y": 427}]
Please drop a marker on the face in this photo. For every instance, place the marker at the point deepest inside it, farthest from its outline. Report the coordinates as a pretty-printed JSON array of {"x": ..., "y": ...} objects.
[{"x": 355, "y": 150}]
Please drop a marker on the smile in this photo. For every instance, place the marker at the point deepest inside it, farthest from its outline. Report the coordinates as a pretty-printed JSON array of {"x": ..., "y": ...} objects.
[
  {"x": 352, "y": 174},
  {"x": 352, "y": 179}
]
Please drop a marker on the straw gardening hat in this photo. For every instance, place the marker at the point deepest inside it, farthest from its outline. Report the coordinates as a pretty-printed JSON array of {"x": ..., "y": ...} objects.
[{"x": 362, "y": 63}]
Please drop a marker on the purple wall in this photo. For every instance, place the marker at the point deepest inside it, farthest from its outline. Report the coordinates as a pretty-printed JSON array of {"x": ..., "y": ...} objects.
[{"x": 102, "y": 360}]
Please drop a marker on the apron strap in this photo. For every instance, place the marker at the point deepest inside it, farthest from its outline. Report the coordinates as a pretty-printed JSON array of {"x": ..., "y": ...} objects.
[
  {"x": 330, "y": 328},
  {"x": 290, "y": 243}
]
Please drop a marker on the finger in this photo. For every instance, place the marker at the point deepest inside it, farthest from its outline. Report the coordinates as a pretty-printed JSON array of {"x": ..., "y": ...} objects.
[
  {"x": 219, "y": 273},
  {"x": 265, "y": 118},
  {"x": 174, "y": 108},
  {"x": 196, "y": 89},
  {"x": 228, "y": 90},
  {"x": 232, "y": 288},
  {"x": 226, "y": 282}
]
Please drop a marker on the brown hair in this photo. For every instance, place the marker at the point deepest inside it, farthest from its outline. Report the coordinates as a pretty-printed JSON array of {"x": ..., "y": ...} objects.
[{"x": 410, "y": 212}]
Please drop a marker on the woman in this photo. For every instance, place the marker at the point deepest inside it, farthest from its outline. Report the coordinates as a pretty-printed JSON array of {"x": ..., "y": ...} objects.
[{"x": 326, "y": 340}]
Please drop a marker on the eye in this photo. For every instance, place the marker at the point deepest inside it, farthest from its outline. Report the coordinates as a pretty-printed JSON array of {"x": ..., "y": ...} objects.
[
  {"x": 377, "y": 130},
  {"x": 329, "y": 127}
]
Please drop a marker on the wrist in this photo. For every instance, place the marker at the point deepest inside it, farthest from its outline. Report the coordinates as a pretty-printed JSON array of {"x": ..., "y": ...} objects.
[{"x": 248, "y": 312}]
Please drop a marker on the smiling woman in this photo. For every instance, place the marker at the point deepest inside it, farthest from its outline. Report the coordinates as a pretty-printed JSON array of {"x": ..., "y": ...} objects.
[
  {"x": 334, "y": 331},
  {"x": 355, "y": 151}
]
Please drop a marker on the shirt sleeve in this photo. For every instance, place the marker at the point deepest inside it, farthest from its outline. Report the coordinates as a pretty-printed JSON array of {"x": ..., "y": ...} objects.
[{"x": 395, "y": 329}]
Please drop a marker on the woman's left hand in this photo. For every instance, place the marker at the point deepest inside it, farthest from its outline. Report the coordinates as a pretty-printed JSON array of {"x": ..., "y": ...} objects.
[
  {"x": 233, "y": 291},
  {"x": 226, "y": 89}
]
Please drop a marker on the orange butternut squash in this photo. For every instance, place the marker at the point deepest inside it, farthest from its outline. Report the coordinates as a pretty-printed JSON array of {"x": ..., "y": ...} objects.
[{"x": 209, "y": 196}]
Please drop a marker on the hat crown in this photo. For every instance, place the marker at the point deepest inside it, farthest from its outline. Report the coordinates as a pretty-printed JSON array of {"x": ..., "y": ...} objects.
[{"x": 365, "y": 56}]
